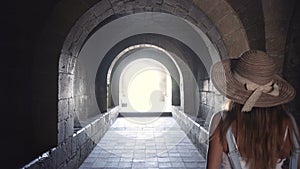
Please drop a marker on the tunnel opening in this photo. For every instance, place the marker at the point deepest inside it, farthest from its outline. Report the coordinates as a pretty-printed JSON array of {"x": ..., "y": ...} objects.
[
  {"x": 145, "y": 86},
  {"x": 144, "y": 78}
]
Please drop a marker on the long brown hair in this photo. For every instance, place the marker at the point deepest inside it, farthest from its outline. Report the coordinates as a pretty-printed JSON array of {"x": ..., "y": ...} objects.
[{"x": 259, "y": 134}]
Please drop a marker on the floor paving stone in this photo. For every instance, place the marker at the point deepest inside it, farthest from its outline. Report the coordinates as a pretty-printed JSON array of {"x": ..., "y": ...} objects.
[{"x": 144, "y": 143}]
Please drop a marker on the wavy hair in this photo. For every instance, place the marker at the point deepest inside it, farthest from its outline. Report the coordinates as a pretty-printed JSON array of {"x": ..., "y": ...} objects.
[{"x": 259, "y": 134}]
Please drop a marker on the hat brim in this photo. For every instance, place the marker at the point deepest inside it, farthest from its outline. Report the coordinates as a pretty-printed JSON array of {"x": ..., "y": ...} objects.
[{"x": 226, "y": 84}]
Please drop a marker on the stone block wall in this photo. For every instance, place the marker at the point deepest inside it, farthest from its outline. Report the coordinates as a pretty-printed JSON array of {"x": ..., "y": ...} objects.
[
  {"x": 71, "y": 152},
  {"x": 211, "y": 102},
  {"x": 196, "y": 133}
]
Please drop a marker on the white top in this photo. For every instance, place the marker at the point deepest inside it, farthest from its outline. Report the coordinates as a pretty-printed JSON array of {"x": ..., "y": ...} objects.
[{"x": 226, "y": 164}]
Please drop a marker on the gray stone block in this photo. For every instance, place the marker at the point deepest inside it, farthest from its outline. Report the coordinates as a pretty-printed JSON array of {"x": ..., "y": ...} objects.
[
  {"x": 77, "y": 42},
  {"x": 119, "y": 8},
  {"x": 68, "y": 46},
  {"x": 171, "y": 2},
  {"x": 48, "y": 163},
  {"x": 88, "y": 130},
  {"x": 191, "y": 19},
  {"x": 157, "y": 1},
  {"x": 141, "y": 4},
  {"x": 210, "y": 98},
  {"x": 64, "y": 63},
  {"x": 168, "y": 8},
  {"x": 180, "y": 12},
  {"x": 65, "y": 86},
  {"x": 213, "y": 33},
  {"x": 61, "y": 131},
  {"x": 204, "y": 26},
  {"x": 228, "y": 24},
  {"x": 196, "y": 14},
  {"x": 71, "y": 109},
  {"x": 81, "y": 138},
  {"x": 73, "y": 162},
  {"x": 68, "y": 144},
  {"x": 63, "y": 107},
  {"x": 96, "y": 137},
  {"x": 84, "y": 152},
  {"x": 105, "y": 15},
  {"x": 148, "y": 9},
  {"x": 71, "y": 65},
  {"x": 101, "y": 7},
  {"x": 60, "y": 155},
  {"x": 69, "y": 126},
  {"x": 74, "y": 146},
  {"x": 62, "y": 166},
  {"x": 186, "y": 5}
]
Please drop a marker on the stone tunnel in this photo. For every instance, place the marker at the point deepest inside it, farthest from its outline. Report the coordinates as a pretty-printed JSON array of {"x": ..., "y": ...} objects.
[{"x": 79, "y": 71}]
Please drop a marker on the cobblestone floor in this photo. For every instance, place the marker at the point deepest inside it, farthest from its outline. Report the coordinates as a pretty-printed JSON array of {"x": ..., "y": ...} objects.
[{"x": 144, "y": 142}]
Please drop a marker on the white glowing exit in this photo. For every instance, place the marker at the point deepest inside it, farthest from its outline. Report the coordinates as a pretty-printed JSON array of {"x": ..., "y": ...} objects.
[{"x": 145, "y": 86}]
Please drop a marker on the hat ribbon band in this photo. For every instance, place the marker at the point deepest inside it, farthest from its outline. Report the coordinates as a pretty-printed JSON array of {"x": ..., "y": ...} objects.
[{"x": 270, "y": 88}]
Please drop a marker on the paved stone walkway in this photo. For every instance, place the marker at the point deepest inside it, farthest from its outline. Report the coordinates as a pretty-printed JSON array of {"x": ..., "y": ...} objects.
[{"x": 144, "y": 142}]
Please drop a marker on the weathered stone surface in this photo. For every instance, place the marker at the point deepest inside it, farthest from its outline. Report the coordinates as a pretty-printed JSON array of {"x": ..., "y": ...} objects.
[
  {"x": 180, "y": 12},
  {"x": 74, "y": 146},
  {"x": 61, "y": 131},
  {"x": 213, "y": 33},
  {"x": 228, "y": 24},
  {"x": 71, "y": 108},
  {"x": 192, "y": 130},
  {"x": 63, "y": 63},
  {"x": 206, "y": 5},
  {"x": 236, "y": 43},
  {"x": 60, "y": 155},
  {"x": 65, "y": 86},
  {"x": 186, "y": 5},
  {"x": 72, "y": 150},
  {"x": 69, "y": 126},
  {"x": 220, "y": 46},
  {"x": 168, "y": 8},
  {"x": 73, "y": 163},
  {"x": 101, "y": 7},
  {"x": 196, "y": 14},
  {"x": 217, "y": 14},
  {"x": 63, "y": 109}
]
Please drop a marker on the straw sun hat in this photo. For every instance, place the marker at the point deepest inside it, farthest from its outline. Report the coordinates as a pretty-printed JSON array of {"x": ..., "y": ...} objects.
[{"x": 251, "y": 80}]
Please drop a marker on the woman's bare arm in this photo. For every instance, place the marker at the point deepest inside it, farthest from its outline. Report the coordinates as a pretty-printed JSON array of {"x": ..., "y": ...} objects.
[{"x": 215, "y": 147}]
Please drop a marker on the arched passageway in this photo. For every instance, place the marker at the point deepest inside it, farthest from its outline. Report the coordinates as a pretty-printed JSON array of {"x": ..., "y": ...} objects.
[
  {"x": 186, "y": 57},
  {"x": 51, "y": 81},
  {"x": 153, "y": 53},
  {"x": 192, "y": 52}
]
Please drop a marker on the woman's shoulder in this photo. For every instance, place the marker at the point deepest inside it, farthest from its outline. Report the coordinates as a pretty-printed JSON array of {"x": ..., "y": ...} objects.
[
  {"x": 215, "y": 121},
  {"x": 216, "y": 118}
]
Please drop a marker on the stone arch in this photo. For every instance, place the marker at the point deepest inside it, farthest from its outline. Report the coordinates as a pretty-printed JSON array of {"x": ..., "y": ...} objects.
[
  {"x": 161, "y": 56},
  {"x": 103, "y": 40},
  {"x": 169, "y": 44},
  {"x": 199, "y": 13},
  {"x": 277, "y": 16}
]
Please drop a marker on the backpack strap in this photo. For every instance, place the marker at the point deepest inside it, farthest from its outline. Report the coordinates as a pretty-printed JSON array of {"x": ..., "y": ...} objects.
[
  {"x": 233, "y": 154},
  {"x": 295, "y": 154}
]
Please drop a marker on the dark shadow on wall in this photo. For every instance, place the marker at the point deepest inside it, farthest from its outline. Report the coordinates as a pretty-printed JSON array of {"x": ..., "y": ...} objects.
[
  {"x": 291, "y": 69},
  {"x": 22, "y": 129}
]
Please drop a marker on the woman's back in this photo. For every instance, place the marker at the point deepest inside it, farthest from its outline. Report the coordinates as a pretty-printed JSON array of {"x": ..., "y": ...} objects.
[
  {"x": 263, "y": 131},
  {"x": 263, "y": 135}
]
